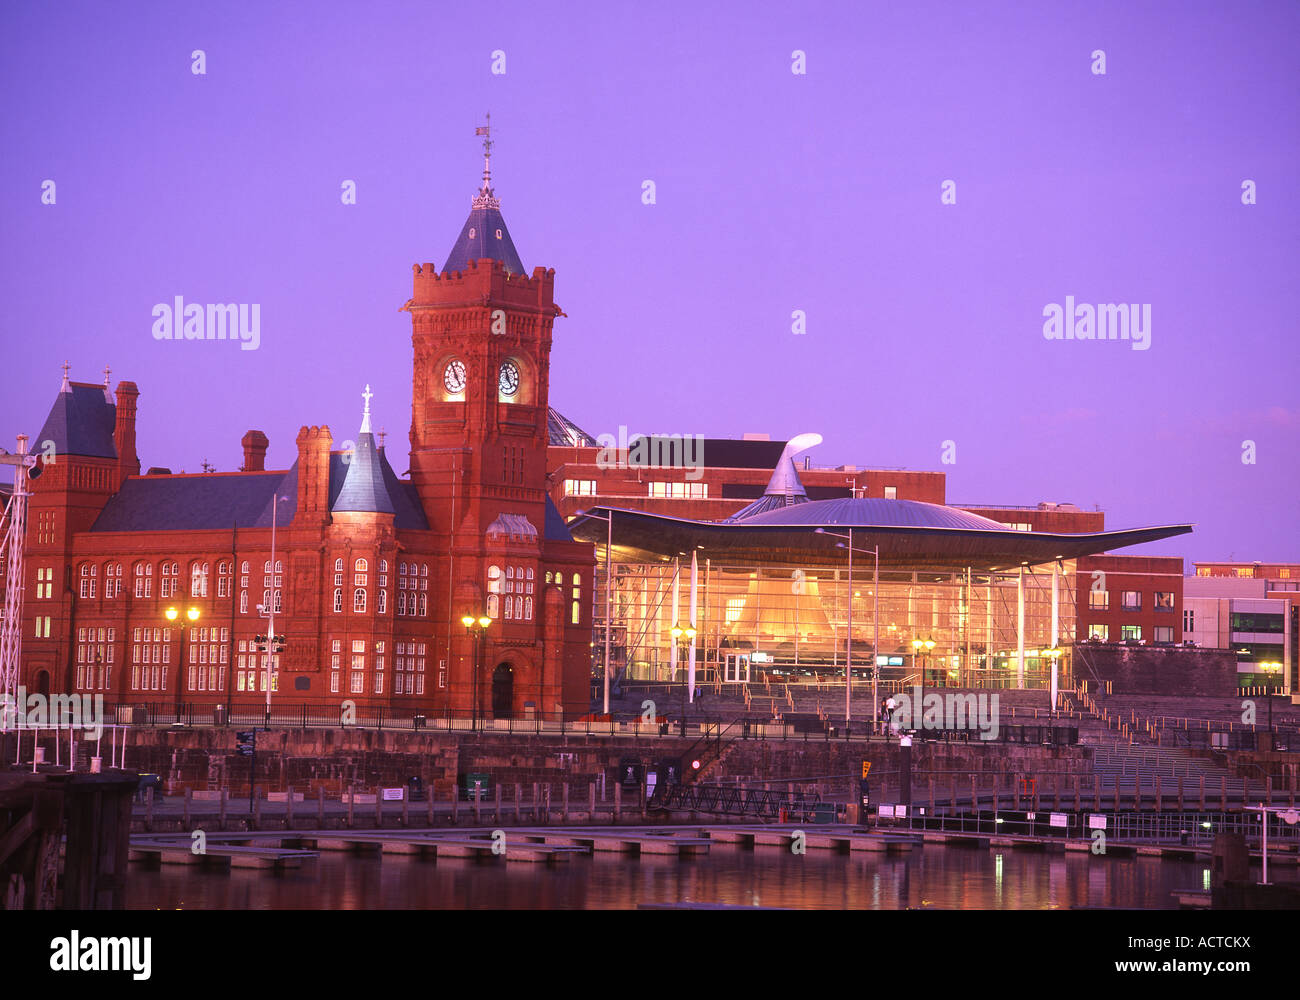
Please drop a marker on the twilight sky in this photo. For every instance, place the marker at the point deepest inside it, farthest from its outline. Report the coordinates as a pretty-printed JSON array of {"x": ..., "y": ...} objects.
[{"x": 775, "y": 192}]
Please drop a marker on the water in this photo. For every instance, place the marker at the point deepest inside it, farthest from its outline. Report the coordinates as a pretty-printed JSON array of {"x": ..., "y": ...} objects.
[{"x": 936, "y": 876}]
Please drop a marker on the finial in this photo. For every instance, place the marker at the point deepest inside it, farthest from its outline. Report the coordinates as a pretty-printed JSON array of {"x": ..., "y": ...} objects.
[
  {"x": 66, "y": 387},
  {"x": 365, "y": 416},
  {"x": 485, "y": 198},
  {"x": 107, "y": 372},
  {"x": 382, "y": 434}
]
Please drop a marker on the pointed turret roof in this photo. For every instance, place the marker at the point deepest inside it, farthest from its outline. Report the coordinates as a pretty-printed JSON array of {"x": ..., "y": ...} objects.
[
  {"x": 484, "y": 233},
  {"x": 81, "y": 421},
  {"x": 364, "y": 488}
]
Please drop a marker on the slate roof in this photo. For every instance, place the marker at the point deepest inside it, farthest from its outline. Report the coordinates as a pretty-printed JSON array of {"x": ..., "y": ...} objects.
[
  {"x": 363, "y": 486},
  {"x": 81, "y": 422},
  {"x": 215, "y": 501},
  {"x": 485, "y": 222},
  {"x": 555, "y": 529}
]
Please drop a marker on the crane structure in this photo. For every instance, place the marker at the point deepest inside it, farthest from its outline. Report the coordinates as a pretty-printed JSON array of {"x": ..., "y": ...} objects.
[{"x": 13, "y": 539}]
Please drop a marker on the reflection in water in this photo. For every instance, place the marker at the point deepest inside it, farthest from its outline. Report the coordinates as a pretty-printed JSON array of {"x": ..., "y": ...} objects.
[{"x": 938, "y": 876}]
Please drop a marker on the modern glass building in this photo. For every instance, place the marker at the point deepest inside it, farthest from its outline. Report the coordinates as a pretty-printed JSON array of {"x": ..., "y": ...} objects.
[{"x": 934, "y": 594}]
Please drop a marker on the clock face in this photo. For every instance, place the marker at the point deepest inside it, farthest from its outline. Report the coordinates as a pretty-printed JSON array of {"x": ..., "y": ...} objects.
[
  {"x": 509, "y": 380},
  {"x": 453, "y": 377}
]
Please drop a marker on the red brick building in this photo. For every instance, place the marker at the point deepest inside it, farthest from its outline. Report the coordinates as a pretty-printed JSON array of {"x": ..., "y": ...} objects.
[{"x": 371, "y": 573}]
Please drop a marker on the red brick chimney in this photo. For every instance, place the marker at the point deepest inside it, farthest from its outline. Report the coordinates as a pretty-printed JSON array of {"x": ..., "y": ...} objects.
[
  {"x": 128, "y": 463},
  {"x": 255, "y": 445},
  {"x": 314, "y": 472}
]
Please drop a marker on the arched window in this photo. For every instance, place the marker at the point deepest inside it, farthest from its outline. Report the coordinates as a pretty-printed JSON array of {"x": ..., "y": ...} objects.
[
  {"x": 492, "y": 606},
  {"x": 424, "y": 605},
  {"x": 519, "y": 608},
  {"x": 359, "y": 573},
  {"x": 401, "y": 602},
  {"x": 113, "y": 581},
  {"x": 198, "y": 579},
  {"x": 170, "y": 571},
  {"x": 143, "y": 579},
  {"x": 381, "y": 601},
  {"x": 424, "y": 577},
  {"x": 243, "y": 602},
  {"x": 359, "y": 600},
  {"x": 528, "y": 608},
  {"x": 88, "y": 574},
  {"x": 223, "y": 578},
  {"x": 510, "y": 608},
  {"x": 338, "y": 565},
  {"x": 549, "y": 574},
  {"x": 361, "y": 566},
  {"x": 494, "y": 579},
  {"x": 338, "y": 600},
  {"x": 559, "y": 579}
]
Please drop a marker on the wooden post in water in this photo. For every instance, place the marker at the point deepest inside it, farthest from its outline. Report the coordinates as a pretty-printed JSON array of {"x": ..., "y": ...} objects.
[
  {"x": 320, "y": 806},
  {"x": 1056, "y": 789},
  {"x": 222, "y": 808},
  {"x": 148, "y": 808},
  {"x": 1137, "y": 792},
  {"x": 519, "y": 802},
  {"x": 974, "y": 795},
  {"x": 455, "y": 803},
  {"x": 1223, "y": 793},
  {"x": 496, "y": 815},
  {"x": 565, "y": 812},
  {"x": 379, "y": 807},
  {"x": 352, "y": 800},
  {"x": 537, "y": 802},
  {"x": 288, "y": 808},
  {"x": 406, "y": 803},
  {"x": 618, "y": 800},
  {"x": 428, "y": 805},
  {"x": 591, "y": 806}
]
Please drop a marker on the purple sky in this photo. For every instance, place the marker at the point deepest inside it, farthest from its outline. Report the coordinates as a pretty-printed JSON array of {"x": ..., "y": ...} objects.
[{"x": 775, "y": 192}]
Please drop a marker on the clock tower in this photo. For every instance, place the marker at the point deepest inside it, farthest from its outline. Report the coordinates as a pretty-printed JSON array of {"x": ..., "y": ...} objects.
[{"x": 481, "y": 333}]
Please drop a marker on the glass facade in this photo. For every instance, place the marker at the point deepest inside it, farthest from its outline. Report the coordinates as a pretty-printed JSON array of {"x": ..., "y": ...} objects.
[{"x": 792, "y": 624}]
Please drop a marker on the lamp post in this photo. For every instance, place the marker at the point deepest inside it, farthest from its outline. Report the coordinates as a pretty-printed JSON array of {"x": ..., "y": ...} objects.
[
  {"x": 875, "y": 641},
  {"x": 477, "y": 629},
  {"x": 1054, "y": 653},
  {"x": 1271, "y": 669},
  {"x": 276, "y": 500},
  {"x": 684, "y": 637},
  {"x": 918, "y": 645},
  {"x": 193, "y": 615}
]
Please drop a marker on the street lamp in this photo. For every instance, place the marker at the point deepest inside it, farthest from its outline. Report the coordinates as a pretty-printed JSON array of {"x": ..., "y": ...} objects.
[
  {"x": 684, "y": 636},
  {"x": 172, "y": 614},
  {"x": 1271, "y": 668},
  {"x": 875, "y": 642},
  {"x": 477, "y": 629},
  {"x": 926, "y": 644}
]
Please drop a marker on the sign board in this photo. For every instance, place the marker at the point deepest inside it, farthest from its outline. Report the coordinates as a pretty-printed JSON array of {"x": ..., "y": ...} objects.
[
  {"x": 866, "y": 768},
  {"x": 1030, "y": 817},
  {"x": 885, "y": 811},
  {"x": 394, "y": 794},
  {"x": 1059, "y": 819},
  {"x": 900, "y": 812},
  {"x": 1096, "y": 822}
]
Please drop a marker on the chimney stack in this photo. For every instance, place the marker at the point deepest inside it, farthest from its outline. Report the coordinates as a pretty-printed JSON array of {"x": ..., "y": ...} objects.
[
  {"x": 314, "y": 472},
  {"x": 128, "y": 463},
  {"x": 255, "y": 445}
]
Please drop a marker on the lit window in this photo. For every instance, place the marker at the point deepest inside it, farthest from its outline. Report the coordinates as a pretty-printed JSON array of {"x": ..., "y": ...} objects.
[
  {"x": 1131, "y": 600},
  {"x": 359, "y": 600}
]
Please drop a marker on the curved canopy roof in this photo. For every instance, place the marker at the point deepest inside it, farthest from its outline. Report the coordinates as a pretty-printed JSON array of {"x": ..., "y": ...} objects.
[{"x": 911, "y": 535}]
